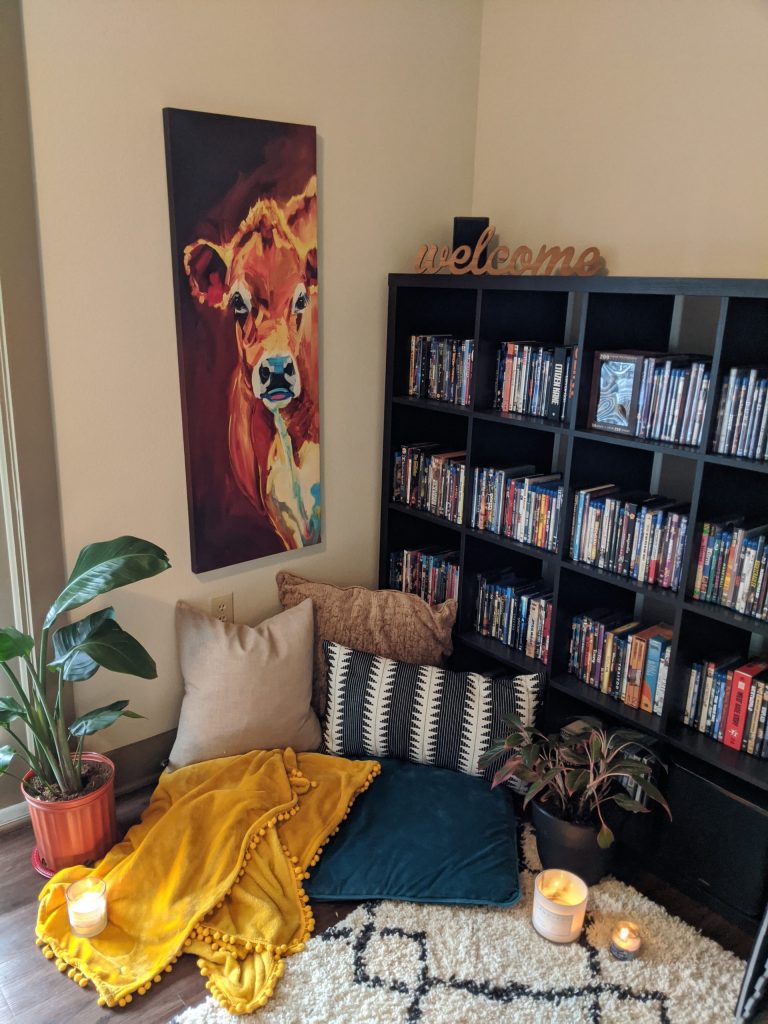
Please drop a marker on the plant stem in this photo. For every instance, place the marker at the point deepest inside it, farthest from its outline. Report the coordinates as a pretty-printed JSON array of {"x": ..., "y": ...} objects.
[
  {"x": 64, "y": 771},
  {"x": 44, "y": 740},
  {"x": 26, "y": 753}
]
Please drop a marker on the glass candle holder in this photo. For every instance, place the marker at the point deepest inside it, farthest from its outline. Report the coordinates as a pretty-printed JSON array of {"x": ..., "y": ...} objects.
[
  {"x": 625, "y": 941},
  {"x": 87, "y": 906},
  {"x": 559, "y": 905}
]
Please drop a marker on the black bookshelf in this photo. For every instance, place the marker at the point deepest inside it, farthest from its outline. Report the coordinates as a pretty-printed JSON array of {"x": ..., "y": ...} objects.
[{"x": 725, "y": 320}]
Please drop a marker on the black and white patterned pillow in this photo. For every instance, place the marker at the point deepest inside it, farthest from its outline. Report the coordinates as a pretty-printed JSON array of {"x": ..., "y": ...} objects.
[{"x": 383, "y": 708}]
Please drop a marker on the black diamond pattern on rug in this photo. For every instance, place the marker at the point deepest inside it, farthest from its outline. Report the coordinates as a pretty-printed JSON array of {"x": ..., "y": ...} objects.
[{"x": 589, "y": 996}]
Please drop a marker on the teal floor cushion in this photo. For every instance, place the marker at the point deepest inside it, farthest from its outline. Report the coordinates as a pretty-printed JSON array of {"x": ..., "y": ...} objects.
[{"x": 423, "y": 834}]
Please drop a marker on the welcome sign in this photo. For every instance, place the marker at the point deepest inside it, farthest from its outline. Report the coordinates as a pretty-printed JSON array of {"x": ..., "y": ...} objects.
[{"x": 503, "y": 261}]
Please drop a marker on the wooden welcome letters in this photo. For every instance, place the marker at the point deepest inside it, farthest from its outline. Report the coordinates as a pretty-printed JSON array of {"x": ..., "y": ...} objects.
[{"x": 504, "y": 261}]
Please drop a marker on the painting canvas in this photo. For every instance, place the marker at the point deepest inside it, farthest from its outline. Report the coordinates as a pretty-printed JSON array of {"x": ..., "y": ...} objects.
[{"x": 243, "y": 210}]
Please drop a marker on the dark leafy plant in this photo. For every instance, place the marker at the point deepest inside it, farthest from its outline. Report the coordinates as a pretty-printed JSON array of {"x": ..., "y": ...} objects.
[
  {"x": 578, "y": 772},
  {"x": 79, "y": 649}
]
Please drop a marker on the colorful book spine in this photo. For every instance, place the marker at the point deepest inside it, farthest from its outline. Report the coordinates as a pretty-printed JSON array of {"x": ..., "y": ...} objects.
[
  {"x": 743, "y": 678},
  {"x": 430, "y": 480},
  {"x": 731, "y": 568},
  {"x": 517, "y": 613},
  {"x": 741, "y": 426},
  {"x": 669, "y": 400},
  {"x": 432, "y": 575},
  {"x": 613, "y": 656},
  {"x": 524, "y": 508},
  {"x": 644, "y": 542},
  {"x": 658, "y": 644},
  {"x": 440, "y": 368},
  {"x": 532, "y": 380},
  {"x": 725, "y": 700}
]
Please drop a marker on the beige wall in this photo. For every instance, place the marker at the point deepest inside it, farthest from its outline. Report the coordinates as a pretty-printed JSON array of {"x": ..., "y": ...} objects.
[
  {"x": 640, "y": 126},
  {"x": 636, "y": 125},
  {"x": 391, "y": 86}
]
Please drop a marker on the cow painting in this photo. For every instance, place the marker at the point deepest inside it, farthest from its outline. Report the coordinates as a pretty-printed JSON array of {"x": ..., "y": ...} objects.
[
  {"x": 264, "y": 279},
  {"x": 243, "y": 196}
]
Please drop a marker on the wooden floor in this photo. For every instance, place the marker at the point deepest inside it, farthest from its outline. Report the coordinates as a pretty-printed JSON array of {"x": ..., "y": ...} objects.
[
  {"x": 31, "y": 989},
  {"x": 33, "y": 992}
]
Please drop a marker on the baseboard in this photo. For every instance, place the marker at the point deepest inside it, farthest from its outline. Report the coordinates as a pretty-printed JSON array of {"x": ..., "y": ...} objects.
[
  {"x": 139, "y": 764},
  {"x": 136, "y": 765}
]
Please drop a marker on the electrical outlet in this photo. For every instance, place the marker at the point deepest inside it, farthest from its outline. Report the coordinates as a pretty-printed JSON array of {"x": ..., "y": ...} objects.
[{"x": 223, "y": 607}]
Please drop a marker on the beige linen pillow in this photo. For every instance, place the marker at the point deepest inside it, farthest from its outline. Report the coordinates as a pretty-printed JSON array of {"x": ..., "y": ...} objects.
[
  {"x": 384, "y": 622},
  {"x": 245, "y": 687}
]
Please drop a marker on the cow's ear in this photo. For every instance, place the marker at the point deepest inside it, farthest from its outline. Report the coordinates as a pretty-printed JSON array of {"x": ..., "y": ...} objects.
[
  {"x": 207, "y": 265},
  {"x": 301, "y": 214},
  {"x": 310, "y": 268}
]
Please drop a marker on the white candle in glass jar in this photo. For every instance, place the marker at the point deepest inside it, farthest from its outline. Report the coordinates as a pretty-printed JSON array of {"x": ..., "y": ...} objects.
[
  {"x": 87, "y": 906},
  {"x": 625, "y": 941},
  {"x": 559, "y": 905}
]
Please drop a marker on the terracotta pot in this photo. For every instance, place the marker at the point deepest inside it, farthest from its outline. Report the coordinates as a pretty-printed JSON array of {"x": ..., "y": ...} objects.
[
  {"x": 563, "y": 844},
  {"x": 75, "y": 831}
]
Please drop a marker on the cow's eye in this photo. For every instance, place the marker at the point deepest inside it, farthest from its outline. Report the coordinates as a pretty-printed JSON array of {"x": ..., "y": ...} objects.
[
  {"x": 300, "y": 299},
  {"x": 238, "y": 304}
]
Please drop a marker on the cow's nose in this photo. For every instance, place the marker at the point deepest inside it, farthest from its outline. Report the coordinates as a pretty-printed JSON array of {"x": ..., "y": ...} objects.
[
  {"x": 290, "y": 369},
  {"x": 264, "y": 372}
]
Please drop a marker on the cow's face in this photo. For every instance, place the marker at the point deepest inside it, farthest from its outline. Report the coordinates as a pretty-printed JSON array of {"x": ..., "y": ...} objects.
[{"x": 266, "y": 278}]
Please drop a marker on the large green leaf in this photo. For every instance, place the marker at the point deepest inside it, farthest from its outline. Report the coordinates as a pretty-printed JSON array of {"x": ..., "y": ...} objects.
[
  {"x": 507, "y": 771},
  {"x": 111, "y": 647},
  {"x": 575, "y": 779},
  {"x": 604, "y": 837},
  {"x": 101, "y": 718},
  {"x": 654, "y": 793},
  {"x": 541, "y": 783},
  {"x": 626, "y": 803},
  {"x": 14, "y": 644},
  {"x": 7, "y": 754},
  {"x": 80, "y": 665},
  {"x": 10, "y": 710},
  {"x": 495, "y": 750},
  {"x": 106, "y": 566}
]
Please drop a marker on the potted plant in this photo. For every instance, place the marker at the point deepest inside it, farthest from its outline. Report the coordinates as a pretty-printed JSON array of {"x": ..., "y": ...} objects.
[
  {"x": 573, "y": 778},
  {"x": 70, "y": 794}
]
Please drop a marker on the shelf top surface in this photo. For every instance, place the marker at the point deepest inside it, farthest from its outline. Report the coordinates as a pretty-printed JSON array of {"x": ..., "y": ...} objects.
[{"x": 712, "y": 286}]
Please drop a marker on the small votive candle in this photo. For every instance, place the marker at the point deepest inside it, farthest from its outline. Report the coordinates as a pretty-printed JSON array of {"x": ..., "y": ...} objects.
[
  {"x": 625, "y": 941},
  {"x": 87, "y": 906},
  {"x": 559, "y": 905}
]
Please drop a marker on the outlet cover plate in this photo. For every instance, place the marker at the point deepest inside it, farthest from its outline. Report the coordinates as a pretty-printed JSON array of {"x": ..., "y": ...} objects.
[{"x": 223, "y": 607}]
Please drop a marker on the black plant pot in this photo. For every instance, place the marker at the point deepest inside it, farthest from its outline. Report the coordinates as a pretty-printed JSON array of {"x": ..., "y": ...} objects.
[{"x": 562, "y": 844}]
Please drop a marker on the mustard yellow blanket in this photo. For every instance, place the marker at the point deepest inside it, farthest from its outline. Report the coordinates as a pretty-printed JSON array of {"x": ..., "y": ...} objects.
[{"x": 214, "y": 869}]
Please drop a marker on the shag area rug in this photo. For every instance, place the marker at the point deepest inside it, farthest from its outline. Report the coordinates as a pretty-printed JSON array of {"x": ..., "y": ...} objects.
[{"x": 397, "y": 963}]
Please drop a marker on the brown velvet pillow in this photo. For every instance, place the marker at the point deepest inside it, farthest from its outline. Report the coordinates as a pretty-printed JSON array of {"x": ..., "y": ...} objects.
[{"x": 384, "y": 622}]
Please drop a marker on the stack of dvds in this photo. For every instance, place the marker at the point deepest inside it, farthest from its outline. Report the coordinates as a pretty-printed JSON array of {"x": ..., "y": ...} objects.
[
  {"x": 742, "y": 415},
  {"x": 659, "y": 397},
  {"x": 518, "y": 503},
  {"x": 516, "y": 611},
  {"x": 621, "y": 658},
  {"x": 631, "y": 533},
  {"x": 732, "y": 566},
  {"x": 429, "y": 479},
  {"x": 441, "y": 368},
  {"x": 534, "y": 380},
  {"x": 431, "y": 573},
  {"x": 727, "y": 700}
]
